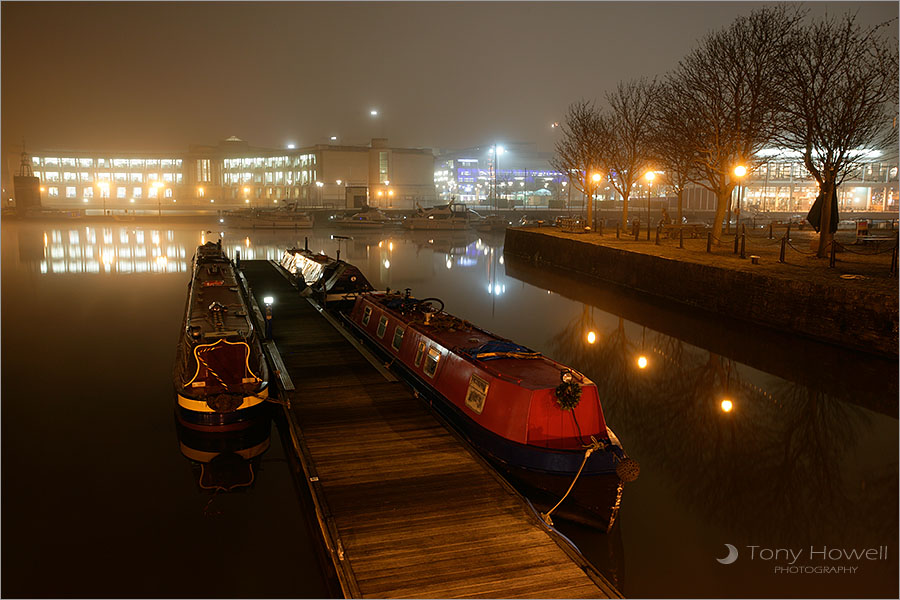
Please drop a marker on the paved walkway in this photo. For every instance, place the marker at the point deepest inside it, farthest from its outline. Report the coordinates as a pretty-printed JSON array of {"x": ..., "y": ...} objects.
[{"x": 865, "y": 265}]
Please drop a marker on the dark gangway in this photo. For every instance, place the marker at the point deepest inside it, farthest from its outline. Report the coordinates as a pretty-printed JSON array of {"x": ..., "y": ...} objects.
[{"x": 407, "y": 509}]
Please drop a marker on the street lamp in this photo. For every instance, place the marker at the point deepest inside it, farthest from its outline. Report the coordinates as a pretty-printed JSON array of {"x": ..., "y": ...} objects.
[
  {"x": 595, "y": 178},
  {"x": 320, "y": 185},
  {"x": 739, "y": 171},
  {"x": 104, "y": 193},
  {"x": 159, "y": 190},
  {"x": 650, "y": 176},
  {"x": 498, "y": 151}
]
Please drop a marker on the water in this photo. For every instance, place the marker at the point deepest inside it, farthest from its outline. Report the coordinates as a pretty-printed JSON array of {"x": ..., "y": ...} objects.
[{"x": 96, "y": 486}]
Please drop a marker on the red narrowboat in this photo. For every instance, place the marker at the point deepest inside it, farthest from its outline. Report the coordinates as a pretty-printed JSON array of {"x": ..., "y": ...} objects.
[{"x": 538, "y": 421}]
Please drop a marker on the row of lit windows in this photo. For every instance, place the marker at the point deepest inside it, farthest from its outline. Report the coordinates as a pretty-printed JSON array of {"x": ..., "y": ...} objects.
[
  {"x": 260, "y": 162},
  {"x": 88, "y": 192},
  {"x": 107, "y": 163},
  {"x": 86, "y": 177}
]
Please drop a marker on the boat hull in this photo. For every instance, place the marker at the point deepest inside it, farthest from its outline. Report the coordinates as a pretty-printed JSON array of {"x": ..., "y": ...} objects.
[{"x": 191, "y": 414}]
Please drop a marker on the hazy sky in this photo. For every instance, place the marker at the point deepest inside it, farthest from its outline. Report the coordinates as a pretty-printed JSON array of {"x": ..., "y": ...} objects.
[{"x": 158, "y": 76}]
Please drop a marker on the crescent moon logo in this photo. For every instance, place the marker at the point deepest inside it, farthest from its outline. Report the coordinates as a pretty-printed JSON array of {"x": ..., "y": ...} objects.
[{"x": 732, "y": 555}]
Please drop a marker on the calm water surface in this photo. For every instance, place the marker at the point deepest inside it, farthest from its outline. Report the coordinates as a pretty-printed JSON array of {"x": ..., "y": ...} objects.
[{"x": 96, "y": 483}]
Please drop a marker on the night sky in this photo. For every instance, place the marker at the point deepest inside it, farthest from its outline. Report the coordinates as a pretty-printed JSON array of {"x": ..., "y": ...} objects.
[{"x": 159, "y": 76}]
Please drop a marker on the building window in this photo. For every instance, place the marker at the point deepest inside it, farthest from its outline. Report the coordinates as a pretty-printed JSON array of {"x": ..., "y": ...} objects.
[
  {"x": 383, "y": 167},
  {"x": 68, "y": 162},
  {"x": 51, "y": 176},
  {"x": 69, "y": 176},
  {"x": 137, "y": 192},
  {"x": 382, "y": 325},
  {"x": 70, "y": 191},
  {"x": 137, "y": 178},
  {"x": 120, "y": 192},
  {"x": 203, "y": 170},
  {"x": 88, "y": 192},
  {"x": 53, "y": 192}
]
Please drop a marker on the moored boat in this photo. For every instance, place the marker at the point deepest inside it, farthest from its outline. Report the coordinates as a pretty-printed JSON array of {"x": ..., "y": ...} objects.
[
  {"x": 221, "y": 376},
  {"x": 445, "y": 216},
  {"x": 368, "y": 218},
  {"x": 328, "y": 279},
  {"x": 538, "y": 421}
]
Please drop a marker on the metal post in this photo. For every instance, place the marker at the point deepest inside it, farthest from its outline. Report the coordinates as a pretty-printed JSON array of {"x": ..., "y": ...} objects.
[
  {"x": 771, "y": 231},
  {"x": 894, "y": 260},
  {"x": 657, "y": 234},
  {"x": 618, "y": 227},
  {"x": 737, "y": 236},
  {"x": 681, "y": 238},
  {"x": 709, "y": 242},
  {"x": 783, "y": 244},
  {"x": 637, "y": 229},
  {"x": 743, "y": 239},
  {"x": 831, "y": 258},
  {"x": 648, "y": 212}
]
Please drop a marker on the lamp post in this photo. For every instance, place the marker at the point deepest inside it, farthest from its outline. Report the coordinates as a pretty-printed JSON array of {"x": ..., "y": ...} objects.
[
  {"x": 650, "y": 176},
  {"x": 104, "y": 192},
  {"x": 159, "y": 190},
  {"x": 739, "y": 171},
  {"x": 320, "y": 185},
  {"x": 595, "y": 178},
  {"x": 498, "y": 151}
]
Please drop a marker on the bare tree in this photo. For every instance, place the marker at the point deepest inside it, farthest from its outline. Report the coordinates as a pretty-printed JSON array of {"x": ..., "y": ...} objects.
[
  {"x": 727, "y": 95},
  {"x": 625, "y": 136},
  {"x": 670, "y": 153},
  {"x": 840, "y": 85},
  {"x": 577, "y": 150}
]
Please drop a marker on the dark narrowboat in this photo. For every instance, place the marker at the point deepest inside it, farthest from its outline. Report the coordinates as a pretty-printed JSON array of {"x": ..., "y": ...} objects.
[{"x": 221, "y": 376}]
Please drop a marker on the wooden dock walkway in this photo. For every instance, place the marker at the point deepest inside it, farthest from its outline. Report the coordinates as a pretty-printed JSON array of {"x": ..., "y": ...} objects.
[{"x": 406, "y": 508}]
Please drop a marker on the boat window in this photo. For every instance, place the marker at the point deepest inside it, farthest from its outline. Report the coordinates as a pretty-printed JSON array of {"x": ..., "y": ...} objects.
[
  {"x": 419, "y": 352},
  {"x": 431, "y": 362},
  {"x": 477, "y": 393},
  {"x": 382, "y": 325},
  {"x": 398, "y": 337},
  {"x": 366, "y": 314}
]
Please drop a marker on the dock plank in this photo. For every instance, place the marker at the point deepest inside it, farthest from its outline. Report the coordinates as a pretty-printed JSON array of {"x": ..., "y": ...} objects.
[{"x": 415, "y": 514}]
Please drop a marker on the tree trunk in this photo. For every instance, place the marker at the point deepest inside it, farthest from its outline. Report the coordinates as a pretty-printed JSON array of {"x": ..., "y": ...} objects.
[
  {"x": 680, "y": 202},
  {"x": 722, "y": 200},
  {"x": 825, "y": 235},
  {"x": 624, "y": 211}
]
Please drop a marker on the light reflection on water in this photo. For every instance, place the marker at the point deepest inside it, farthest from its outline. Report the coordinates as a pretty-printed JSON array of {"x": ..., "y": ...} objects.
[{"x": 806, "y": 455}]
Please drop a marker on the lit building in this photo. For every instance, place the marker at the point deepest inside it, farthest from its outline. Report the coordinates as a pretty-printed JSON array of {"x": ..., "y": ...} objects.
[
  {"x": 234, "y": 174},
  {"x": 522, "y": 178},
  {"x": 526, "y": 179}
]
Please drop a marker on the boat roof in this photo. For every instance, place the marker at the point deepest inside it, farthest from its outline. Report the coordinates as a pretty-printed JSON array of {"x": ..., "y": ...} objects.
[
  {"x": 217, "y": 308},
  {"x": 490, "y": 351}
]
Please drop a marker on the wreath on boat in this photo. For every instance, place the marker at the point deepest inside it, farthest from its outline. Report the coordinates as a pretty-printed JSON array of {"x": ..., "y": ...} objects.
[{"x": 568, "y": 394}]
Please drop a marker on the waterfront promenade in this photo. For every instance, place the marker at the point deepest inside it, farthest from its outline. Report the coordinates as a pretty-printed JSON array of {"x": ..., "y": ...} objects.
[{"x": 854, "y": 303}]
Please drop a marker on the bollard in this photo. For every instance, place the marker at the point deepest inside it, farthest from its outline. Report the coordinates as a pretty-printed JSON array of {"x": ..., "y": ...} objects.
[
  {"x": 600, "y": 226},
  {"x": 736, "y": 237},
  {"x": 237, "y": 259},
  {"x": 636, "y": 227},
  {"x": 894, "y": 261},
  {"x": 681, "y": 238},
  {"x": 648, "y": 228},
  {"x": 618, "y": 227},
  {"x": 781, "y": 254},
  {"x": 771, "y": 235},
  {"x": 743, "y": 241},
  {"x": 657, "y": 234},
  {"x": 831, "y": 256},
  {"x": 709, "y": 242},
  {"x": 787, "y": 232}
]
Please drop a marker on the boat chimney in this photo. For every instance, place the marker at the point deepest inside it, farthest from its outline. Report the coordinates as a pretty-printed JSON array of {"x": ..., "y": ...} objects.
[{"x": 306, "y": 243}]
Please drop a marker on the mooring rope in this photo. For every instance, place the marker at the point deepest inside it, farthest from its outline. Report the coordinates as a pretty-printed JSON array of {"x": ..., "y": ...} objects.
[{"x": 595, "y": 445}]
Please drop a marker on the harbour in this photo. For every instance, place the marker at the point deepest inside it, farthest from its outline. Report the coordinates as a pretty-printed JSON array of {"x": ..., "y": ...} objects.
[{"x": 667, "y": 505}]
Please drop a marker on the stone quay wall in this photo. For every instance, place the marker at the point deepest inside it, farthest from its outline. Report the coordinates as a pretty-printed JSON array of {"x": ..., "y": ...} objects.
[{"x": 845, "y": 315}]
